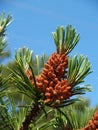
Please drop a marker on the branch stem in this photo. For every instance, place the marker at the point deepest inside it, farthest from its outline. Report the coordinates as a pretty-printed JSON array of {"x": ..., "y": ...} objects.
[{"x": 30, "y": 117}]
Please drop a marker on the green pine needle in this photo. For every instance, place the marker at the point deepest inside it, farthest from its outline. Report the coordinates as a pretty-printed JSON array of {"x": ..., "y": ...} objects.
[
  {"x": 78, "y": 69},
  {"x": 4, "y": 22},
  {"x": 65, "y": 42}
]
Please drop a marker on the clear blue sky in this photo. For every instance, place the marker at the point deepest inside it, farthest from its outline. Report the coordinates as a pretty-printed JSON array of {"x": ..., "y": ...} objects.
[{"x": 34, "y": 20}]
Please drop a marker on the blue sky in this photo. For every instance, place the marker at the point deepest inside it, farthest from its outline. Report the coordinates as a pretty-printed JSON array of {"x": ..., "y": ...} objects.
[{"x": 35, "y": 20}]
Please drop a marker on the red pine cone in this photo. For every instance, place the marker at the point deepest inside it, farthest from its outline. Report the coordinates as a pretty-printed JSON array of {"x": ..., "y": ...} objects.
[
  {"x": 59, "y": 63},
  {"x": 52, "y": 80},
  {"x": 93, "y": 123},
  {"x": 59, "y": 92}
]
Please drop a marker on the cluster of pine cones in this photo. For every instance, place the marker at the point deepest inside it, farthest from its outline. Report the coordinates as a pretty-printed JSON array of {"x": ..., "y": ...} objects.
[{"x": 53, "y": 81}]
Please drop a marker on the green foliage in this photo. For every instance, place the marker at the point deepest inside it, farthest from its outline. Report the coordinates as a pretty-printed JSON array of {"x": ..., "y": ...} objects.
[
  {"x": 24, "y": 60},
  {"x": 26, "y": 57},
  {"x": 78, "y": 69},
  {"x": 73, "y": 116},
  {"x": 43, "y": 122},
  {"x": 3, "y": 44},
  {"x": 3, "y": 83},
  {"x": 5, "y": 120},
  {"x": 11, "y": 116},
  {"x": 65, "y": 42},
  {"x": 79, "y": 119},
  {"x": 22, "y": 82},
  {"x": 4, "y": 22}
]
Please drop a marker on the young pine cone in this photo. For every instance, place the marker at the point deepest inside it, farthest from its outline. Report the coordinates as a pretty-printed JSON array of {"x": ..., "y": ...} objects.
[
  {"x": 93, "y": 123},
  {"x": 57, "y": 93},
  {"x": 52, "y": 80},
  {"x": 53, "y": 72}
]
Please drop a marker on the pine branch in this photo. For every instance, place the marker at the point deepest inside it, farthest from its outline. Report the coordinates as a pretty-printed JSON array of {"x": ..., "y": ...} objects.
[
  {"x": 31, "y": 117},
  {"x": 24, "y": 62}
]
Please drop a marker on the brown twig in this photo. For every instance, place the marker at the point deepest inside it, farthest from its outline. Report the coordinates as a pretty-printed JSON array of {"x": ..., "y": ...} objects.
[{"x": 30, "y": 117}]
